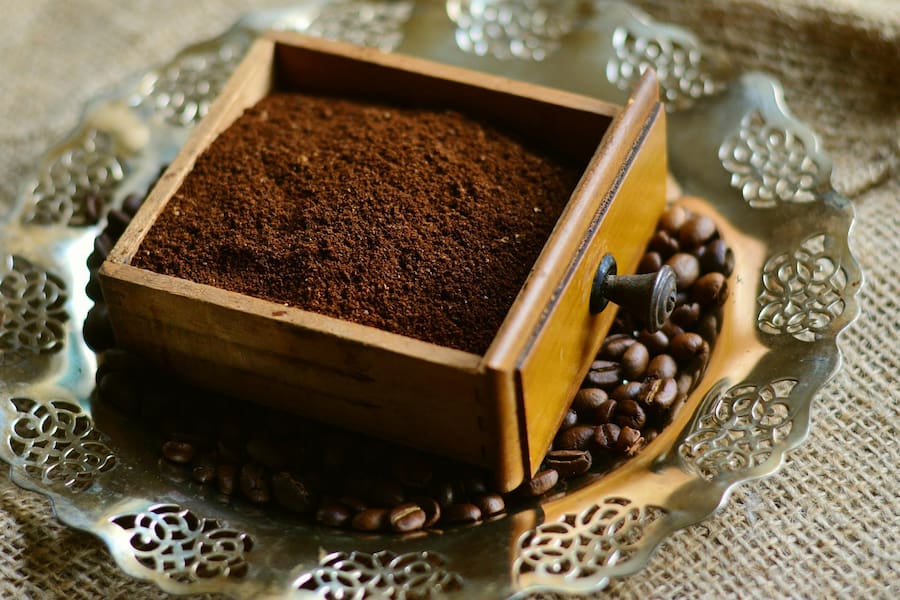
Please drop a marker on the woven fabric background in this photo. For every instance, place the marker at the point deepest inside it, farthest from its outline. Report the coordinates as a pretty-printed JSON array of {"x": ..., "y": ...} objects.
[{"x": 826, "y": 526}]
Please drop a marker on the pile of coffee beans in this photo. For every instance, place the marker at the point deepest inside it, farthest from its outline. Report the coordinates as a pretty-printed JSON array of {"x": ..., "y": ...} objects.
[{"x": 342, "y": 479}]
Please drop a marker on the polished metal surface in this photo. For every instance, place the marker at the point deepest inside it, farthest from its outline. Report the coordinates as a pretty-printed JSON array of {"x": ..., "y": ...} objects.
[{"x": 732, "y": 141}]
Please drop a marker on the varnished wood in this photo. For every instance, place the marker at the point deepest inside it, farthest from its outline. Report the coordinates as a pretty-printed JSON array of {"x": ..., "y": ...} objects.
[{"x": 498, "y": 410}]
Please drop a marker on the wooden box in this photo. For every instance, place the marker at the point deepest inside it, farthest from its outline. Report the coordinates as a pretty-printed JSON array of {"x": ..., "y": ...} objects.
[{"x": 500, "y": 410}]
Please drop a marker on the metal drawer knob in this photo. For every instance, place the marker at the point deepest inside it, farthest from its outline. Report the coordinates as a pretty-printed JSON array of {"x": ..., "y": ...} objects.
[{"x": 651, "y": 295}]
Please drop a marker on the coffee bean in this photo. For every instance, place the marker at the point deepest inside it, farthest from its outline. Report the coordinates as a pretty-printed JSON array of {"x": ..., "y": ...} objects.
[
  {"x": 627, "y": 391},
  {"x": 673, "y": 219},
  {"x": 204, "y": 473},
  {"x": 650, "y": 263},
  {"x": 372, "y": 519},
  {"x": 634, "y": 361},
  {"x": 254, "y": 483},
  {"x": 603, "y": 374},
  {"x": 461, "y": 514},
  {"x": 686, "y": 268},
  {"x": 431, "y": 508},
  {"x": 97, "y": 330},
  {"x": 472, "y": 486},
  {"x": 629, "y": 413},
  {"x": 710, "y": 289},
  {"x": 117, "y": 389},
  {"x": 573, "y": 438},
  {"x": 444, "y": 494},
  {"x": 541, "y": 483},
  {"x": 387, "y": 493},
  {"x": 178, "y": 452},
  {"x": 697, "y": 230},
  {"x": 708, "y": 327},
  {"x": 587, "y": 400},
  {"x": 659, "y": 394},
  {"x": 717, "y": 257},
  {"x": 686, "y": 315},
  {"x": 689, "y": 347},
  {"x": 490, "y": 504},
  {"x": 266, "y": 453},
  {"x": 656, "y": 342},
  {"x": 333, "y": 514},
  {"x": 650, "y": 434},
  {"x": 116, "y": 222},
  {"x": 662, "y": 366},
  {"x": 292, "y": 493},
  {"x": 92, "y": 289},
  {"x": 174, "y": 472},
  {"x": 629, "y": 441},
  {"x": 684, "y": 383},
  {"x": 131, "y": 203},
  {"x": 606, "y": 411},
  {"x": 614, "y": 346},
  {"x": 226, "y": 478},
  {"x": 664, "y": 244},
  {"x": 605, "y": 436},
  {"x": 569, "y": 463},
  {"x": 407, "y": 517},
  {"x": 671, "y": 330},
  {"x": 570, "y": 418},
  {"x": 354, "y": 503},
  {"x": 93, "y": 207}
]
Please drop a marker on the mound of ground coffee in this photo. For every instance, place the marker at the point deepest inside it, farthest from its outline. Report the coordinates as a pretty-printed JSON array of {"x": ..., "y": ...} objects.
[{"x": 419, "y": 222}]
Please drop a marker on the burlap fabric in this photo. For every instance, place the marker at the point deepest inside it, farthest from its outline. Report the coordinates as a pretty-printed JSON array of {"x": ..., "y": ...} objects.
[{"x": 826, "y": 526}]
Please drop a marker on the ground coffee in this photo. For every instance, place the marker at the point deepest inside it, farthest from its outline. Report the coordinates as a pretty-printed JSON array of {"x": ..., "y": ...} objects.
[{"x": 419, "y": 222}]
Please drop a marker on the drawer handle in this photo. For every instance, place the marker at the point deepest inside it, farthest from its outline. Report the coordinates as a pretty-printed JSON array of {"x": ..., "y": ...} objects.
[{"x": 651, "y": 295}]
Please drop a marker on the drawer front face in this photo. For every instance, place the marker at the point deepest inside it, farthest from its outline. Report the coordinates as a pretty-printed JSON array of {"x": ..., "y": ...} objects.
[{"x": 563, "y": 345}]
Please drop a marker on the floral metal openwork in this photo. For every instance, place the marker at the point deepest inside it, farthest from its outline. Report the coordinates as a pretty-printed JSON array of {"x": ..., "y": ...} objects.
[
  {"x": 175, "y": 542},
  {"x": 56, "y": 444},
  {"x": 803, "y": 291}
]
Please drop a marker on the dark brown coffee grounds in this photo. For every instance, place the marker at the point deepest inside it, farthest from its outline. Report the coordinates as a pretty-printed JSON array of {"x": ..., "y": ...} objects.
[{"x": 419, "y": 222}]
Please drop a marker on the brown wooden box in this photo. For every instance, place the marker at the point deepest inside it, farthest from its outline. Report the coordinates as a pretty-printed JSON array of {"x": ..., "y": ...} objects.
[{"x": 500, "y": 410}]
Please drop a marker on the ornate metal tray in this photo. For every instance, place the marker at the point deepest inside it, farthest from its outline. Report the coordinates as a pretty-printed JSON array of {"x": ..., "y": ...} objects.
[{"x": 732, "y": 141}]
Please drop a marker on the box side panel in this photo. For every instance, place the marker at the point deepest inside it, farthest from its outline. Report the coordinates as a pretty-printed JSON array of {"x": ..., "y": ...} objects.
[
  {"x": 560, "y": 350},
  {"x": 436, "y": 406}
]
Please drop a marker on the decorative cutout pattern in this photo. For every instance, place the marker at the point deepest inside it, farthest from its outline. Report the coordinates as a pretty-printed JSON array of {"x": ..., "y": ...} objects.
[
  {"x": 32, "y": 311},
  {"x": 769, "y": 164},
  {"x": 175, "y": 542},
  {"x": 525, "y": 29},
  {"x": 741, "y": 429},
  {"x": 360, "y": 575},
  {"x": 56, "y": 443},
  {"x": 578, "y": 548},
  {"x": 183, "y": 91},
  {"x": 678, "y": 62},
  {"x": 802, "y": 291},
  {"x": 68, "y": 189},
  {"x": 374, "y": 24}
]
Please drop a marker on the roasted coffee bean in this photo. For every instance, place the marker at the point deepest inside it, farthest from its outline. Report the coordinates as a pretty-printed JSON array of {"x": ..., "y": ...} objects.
[
  {"x": 656, "y": 342},
  {"x": 431, "y": 508},
  {"x": 372, "y": 519},
  {"x": 461, "y": 514},
  {"x": 407, "y": 517},
  {"x": 569, "y": 419},
  {"x": 541, "y": 483},
  {"x": 92, "y": 289},
  {"x": 254, "y": 483},
  {"x": 650, "y": 263},
  {"x": 333, "y": 514},
  {"x": 634, "y": 361},
  {"x": 673, "y": 219},
  {"x": 684, "y": 382},
  {"x": 686, "y": 315},
  {"x": 103, "y": 245},
  {"x": 204, "y": 473},
  {"x": 587, "y": 400},
  {"x": 606, "y": 411},
  {"x": 662, "y": 366},
  {"x": 387, "y": 493},
  {"x": 354, "y": 503},
  {"x": 174, "y": 472},
  {"x": 226, "y": 478},
  {"x": 686, "y": 268},
  {"x": 117, "y": 389},
  {"x": 606, "y": 436},
  {"x": 444, "y": 494},
  {"x": 116, "y": 222},
  {"x": 629, "y": 413},
  {"x": 574, "y": 438},
  {"x": 178, "y": 451},
  {"x": 265, "y": 453},
  {"x": 689, "y": 347},
  {"x": 615, "y": 346},
  {"x": 97, "y": 330},
  {"x": 627, "y": 391},
  {"x": 629, "y": 441},
  {"x": 659, "y": 394},
  {"x": 292, "y": 493},
  {"x": 603, "y": 374},
  {"x": 93, "y": 207},
  {"x": 664, "y": 244},
  {"x": 131, "y": 203},
  {"x": 569, "y": 463},
  {"x": 473, "y": 486},
  {"x": 697, "y": 230},
  {"x": 490, "y": 504},
  {"x": 671, "y": 330},
  {"x": 708, "y": 327},
  {"x": 717, "y": 257},
  {"x": 711, "y": 289}
]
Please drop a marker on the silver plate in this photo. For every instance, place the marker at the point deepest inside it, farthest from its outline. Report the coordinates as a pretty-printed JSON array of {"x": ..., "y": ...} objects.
[{"x": 732, "y": 141}]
